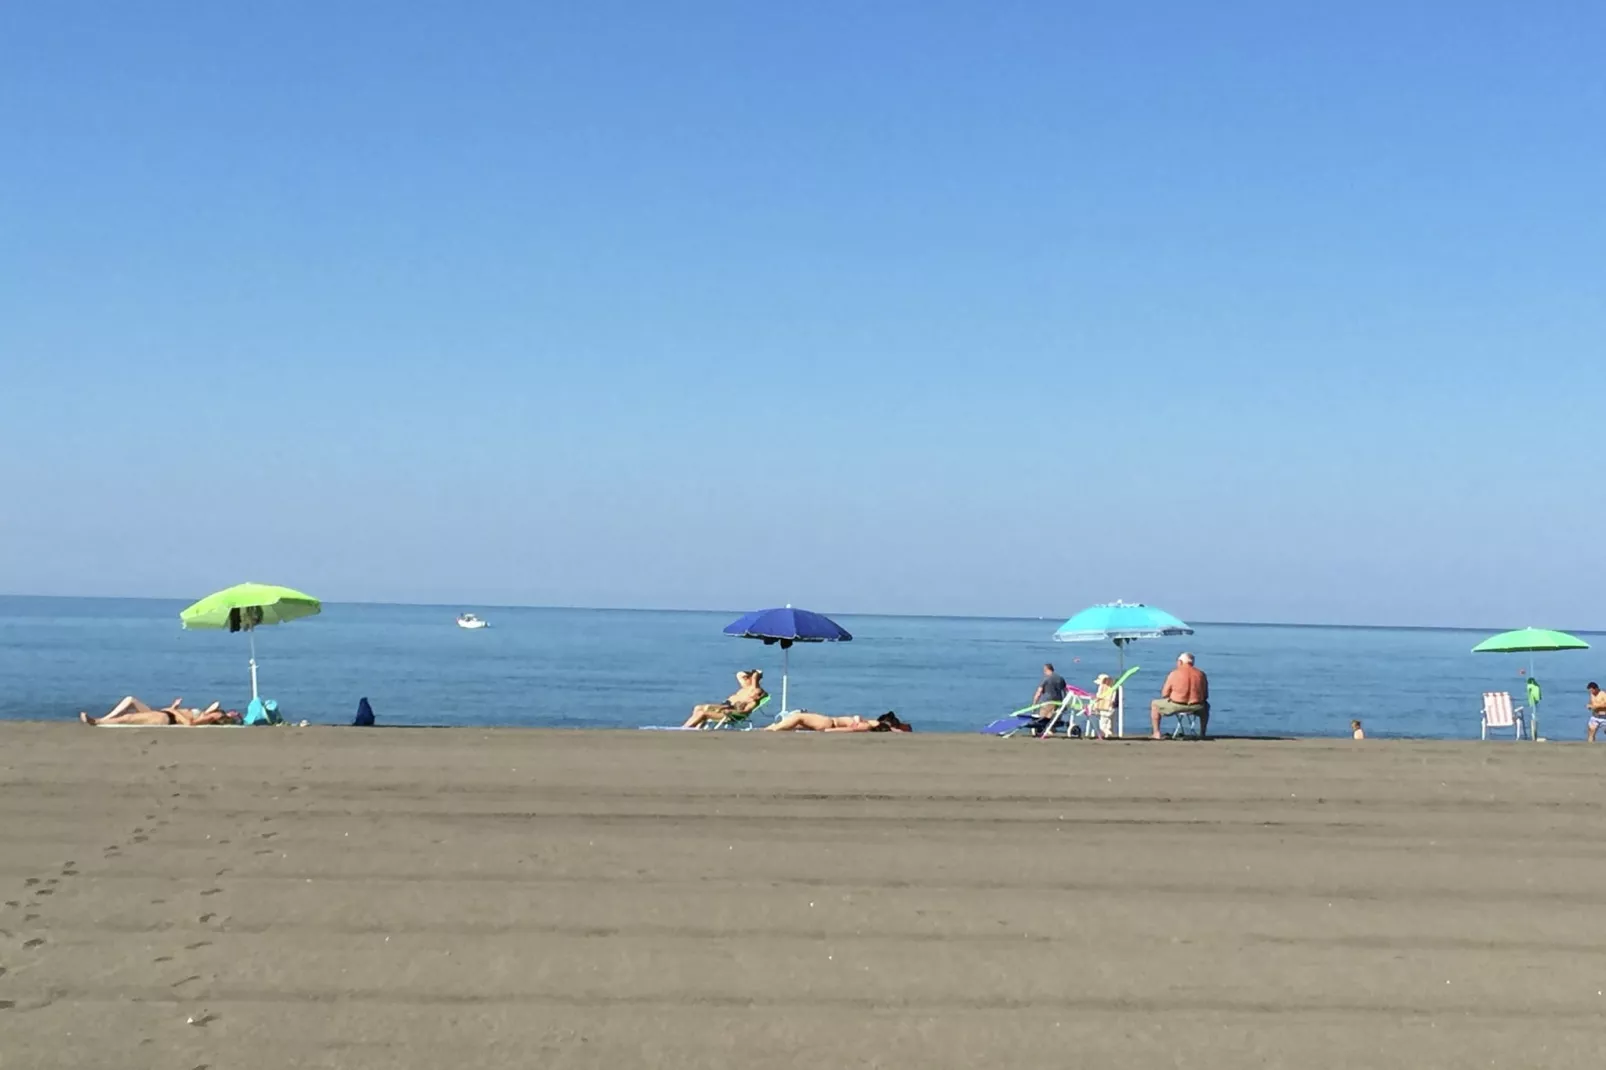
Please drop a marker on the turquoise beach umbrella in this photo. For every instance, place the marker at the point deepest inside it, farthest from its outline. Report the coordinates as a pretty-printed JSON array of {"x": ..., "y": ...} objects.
[{"x": 1120, "y": 623}]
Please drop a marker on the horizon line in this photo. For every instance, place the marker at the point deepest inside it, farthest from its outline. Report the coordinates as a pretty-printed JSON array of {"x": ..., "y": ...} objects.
[{"x": 917, "y": 616}]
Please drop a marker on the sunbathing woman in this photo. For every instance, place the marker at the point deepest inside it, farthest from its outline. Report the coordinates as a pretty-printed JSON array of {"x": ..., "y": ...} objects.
[
  {"x": 804, "y": 721},
  {"x": 743, "y": 702},
  {"x": 132, "y": 711}
]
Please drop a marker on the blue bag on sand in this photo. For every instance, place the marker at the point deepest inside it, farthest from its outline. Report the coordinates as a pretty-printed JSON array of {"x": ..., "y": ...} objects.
[
  {"x": 365, "y": 713},
  {"x": 263, "y": 711}
]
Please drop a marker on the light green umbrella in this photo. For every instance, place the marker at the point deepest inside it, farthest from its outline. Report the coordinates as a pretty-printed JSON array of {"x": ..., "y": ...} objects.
[
  {"x": 246, "y": 607},
  {"x": 1525, "y": 641}
]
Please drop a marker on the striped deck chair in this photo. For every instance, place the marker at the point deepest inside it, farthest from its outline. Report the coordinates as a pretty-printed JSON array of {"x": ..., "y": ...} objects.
[{"x": 1499, "y": 713}]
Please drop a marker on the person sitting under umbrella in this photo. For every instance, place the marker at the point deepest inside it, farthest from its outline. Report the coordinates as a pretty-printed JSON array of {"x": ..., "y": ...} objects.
[
  {"x": 804, "y": 721},
  {"x": 738, "y": 706},
  {"x": 1186, "y": 690},
  {"x": 132, "y": 711}
]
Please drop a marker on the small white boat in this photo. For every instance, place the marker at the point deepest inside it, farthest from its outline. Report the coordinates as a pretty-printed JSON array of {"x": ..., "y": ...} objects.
[{"x": 469, "y": 620}]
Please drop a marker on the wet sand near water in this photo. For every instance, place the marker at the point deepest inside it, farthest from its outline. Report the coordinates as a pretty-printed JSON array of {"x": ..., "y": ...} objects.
[{"x": 265, "y": 898}]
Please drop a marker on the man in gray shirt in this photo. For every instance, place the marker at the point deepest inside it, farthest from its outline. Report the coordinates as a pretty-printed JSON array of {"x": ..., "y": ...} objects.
[{"x": 1052, "y": 689}]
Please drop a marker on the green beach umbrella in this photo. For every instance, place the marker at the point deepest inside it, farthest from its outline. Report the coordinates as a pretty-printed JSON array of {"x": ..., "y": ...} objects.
[
  {"x": 246, "y": 607},
  {"x": 1526, "y": 641}
]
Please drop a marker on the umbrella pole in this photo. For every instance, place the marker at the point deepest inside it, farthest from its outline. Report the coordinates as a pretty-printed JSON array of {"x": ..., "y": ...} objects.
[
  {"x": 252, "y": 634},
  {"x": 1120, "y": 696},
  {"x": 786, "y": 664}
]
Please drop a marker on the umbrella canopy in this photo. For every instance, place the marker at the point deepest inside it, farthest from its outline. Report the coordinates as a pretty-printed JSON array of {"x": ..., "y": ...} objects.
[
  {"x": 248, "y": 606},
  {"x": 1120, "y": 622},
  {"x": 787, "y": 626},
  {"x": 1529, "y": 639}
]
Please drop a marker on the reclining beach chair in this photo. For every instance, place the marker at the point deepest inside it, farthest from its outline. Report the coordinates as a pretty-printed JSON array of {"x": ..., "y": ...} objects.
[
  {"x": 1040, "y": 719},
  {"x": 1499, "y": 713},
  {"x": 1076, "y": 701},
  {"x": 742, "y": 721}
]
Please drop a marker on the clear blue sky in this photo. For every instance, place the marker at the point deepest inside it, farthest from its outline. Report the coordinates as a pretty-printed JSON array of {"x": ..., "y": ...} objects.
[{"x": 1252, "y": 310}]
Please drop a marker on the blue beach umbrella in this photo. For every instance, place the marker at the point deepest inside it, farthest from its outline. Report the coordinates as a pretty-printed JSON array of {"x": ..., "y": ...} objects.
[{"x": 787, "y": 626}]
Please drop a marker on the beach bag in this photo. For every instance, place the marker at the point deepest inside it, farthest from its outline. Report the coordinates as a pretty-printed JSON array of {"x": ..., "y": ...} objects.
[
  {"x": 263, "y": 711},
  {"x": 365, "y": 714}
]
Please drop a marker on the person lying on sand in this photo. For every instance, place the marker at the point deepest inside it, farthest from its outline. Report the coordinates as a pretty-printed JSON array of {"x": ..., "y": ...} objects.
[
  {"x": 132, "y": 711},
  {"x": 743, "y": 702},
  {"x": 804, "y": 721}
]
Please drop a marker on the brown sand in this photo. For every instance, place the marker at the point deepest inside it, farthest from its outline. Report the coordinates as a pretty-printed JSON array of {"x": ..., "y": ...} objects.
[{"x": 465, "y": 898}]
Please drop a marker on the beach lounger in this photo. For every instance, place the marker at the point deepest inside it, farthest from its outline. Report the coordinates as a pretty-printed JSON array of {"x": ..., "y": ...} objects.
[
  {"x": 742, "y": 721},
  {"x": 1039, "y": 719},
  {"x": 1499, "y": 713}
]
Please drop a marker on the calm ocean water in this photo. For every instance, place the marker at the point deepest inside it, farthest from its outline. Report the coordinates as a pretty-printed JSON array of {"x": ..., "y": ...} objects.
[{"x": 617, "y": 668}]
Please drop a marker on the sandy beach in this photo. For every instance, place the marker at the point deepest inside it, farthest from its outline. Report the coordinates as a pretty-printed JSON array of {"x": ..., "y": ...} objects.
[{"x": 234, "y": 898}]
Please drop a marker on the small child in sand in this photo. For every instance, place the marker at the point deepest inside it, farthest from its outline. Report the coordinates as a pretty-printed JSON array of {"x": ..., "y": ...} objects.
[{"x": 1356, "y": 730}]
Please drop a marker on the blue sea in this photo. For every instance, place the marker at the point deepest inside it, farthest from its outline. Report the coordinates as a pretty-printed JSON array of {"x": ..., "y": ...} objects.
[{"x": 591, "y": 668}]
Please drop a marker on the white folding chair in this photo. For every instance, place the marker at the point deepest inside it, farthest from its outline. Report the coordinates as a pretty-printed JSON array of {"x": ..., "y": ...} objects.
[{"x": 1498, "y": 712}]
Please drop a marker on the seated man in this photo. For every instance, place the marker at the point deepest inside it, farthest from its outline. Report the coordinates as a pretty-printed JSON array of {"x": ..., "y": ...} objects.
[
  {"x": 1186, "y": 690},
  {"x": 737, "y": 706}
]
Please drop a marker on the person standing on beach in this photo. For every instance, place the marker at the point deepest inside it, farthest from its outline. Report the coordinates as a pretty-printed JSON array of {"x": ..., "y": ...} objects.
[
  {"x": 1597, "y": 709},
  {"x": 1052, "y": 689},
  {"x": 1186, "y": 690}
]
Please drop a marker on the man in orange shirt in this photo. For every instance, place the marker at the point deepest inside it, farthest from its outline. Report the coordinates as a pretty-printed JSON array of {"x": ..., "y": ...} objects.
[{"x": 1186, "y": 690}]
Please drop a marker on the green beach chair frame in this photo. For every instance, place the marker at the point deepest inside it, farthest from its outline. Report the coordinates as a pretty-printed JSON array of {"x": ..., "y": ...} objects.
[{"x": 739, "y": 721}]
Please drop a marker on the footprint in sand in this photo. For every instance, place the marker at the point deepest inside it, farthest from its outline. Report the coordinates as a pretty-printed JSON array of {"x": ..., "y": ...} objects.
[
  {"x": 30, "y": 882},
  {"x": 13, "y": 903},
  {"x": 187, "y": 980},
  {"x": 52, "y": 880},
  {"x": 44, "y": 891},
  {"x": 141, "y": 839},
  {"x": 204, "y": 918},
  {"x": 163, "y": 958},
  {"x": 3, "y": 971},
  {"x": 7, "y": 1004},
  {"x": 197, "y": 945},
  {"x": 213, "y": 891},
  {"x": 269, "y": 835},
  {"x": 158, "y": 902},
  {"x": 35, "y": 942},
  {"x": 31, "y": 917},
  {"x": 263, "y": 851}
]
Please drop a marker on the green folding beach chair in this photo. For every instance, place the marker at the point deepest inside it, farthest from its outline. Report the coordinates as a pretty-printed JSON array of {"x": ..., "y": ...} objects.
[{"x": 742, "y": 721}]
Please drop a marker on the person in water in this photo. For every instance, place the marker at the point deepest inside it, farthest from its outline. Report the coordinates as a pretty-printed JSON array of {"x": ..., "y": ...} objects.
[
  {"x": 132, "y": 711},
  {"x": 804, "y": 721},
  {"x": 744, "y": 701}
]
